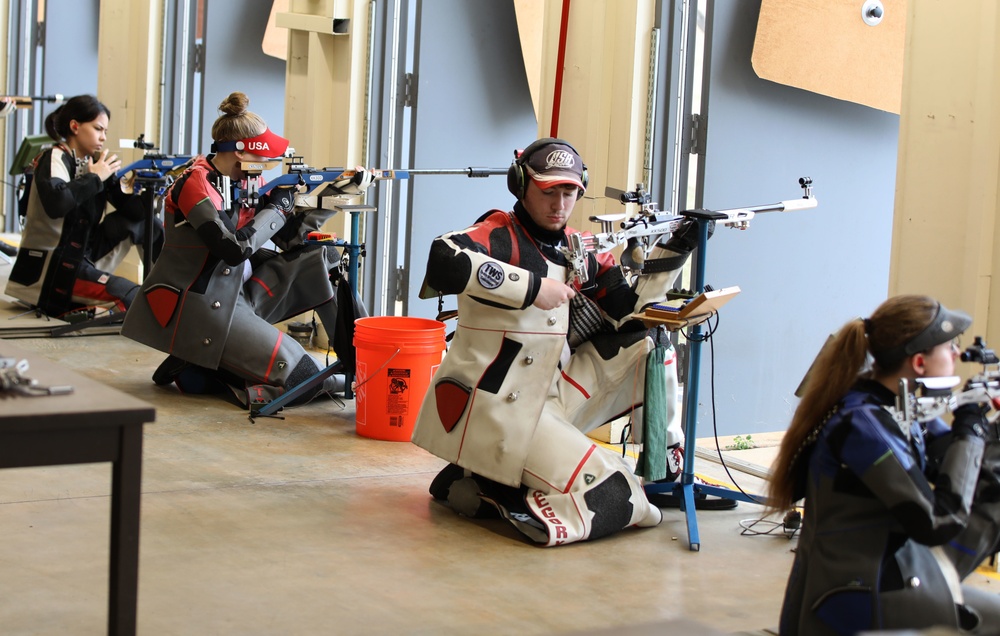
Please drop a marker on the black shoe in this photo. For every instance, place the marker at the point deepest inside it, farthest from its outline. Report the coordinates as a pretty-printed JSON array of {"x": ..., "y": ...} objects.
[
  {"x": 444, "y": 479},
  {"x": 169, "y": 369},
  {"x": 462, "y": 493}
]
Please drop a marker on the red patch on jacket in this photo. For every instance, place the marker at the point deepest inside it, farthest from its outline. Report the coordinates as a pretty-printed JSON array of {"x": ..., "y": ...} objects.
[
  {"x": 452, "y": 398},
  {"x": 163, "y": 301}
]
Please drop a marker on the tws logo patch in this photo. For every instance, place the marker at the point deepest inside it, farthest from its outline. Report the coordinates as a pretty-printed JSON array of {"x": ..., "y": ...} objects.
[{"x": 490, "y": 275}]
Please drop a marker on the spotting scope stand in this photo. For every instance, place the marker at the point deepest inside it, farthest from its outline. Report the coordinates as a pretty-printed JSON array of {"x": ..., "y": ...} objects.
[
  {"x": 152, "y": 176},
  {"x": 684, "y": 487}
]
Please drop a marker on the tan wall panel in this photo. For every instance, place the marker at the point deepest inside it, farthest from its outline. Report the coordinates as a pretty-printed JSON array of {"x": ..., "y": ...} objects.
[
  {"x": 129, "y": 60},
  {"x": 325, "y": 87},
  {"x": 128, "y": 56},
  {"x": 530, "y": 15},
  {"x": 945, "y": 233},
  {"x": 603, "y": 100}
]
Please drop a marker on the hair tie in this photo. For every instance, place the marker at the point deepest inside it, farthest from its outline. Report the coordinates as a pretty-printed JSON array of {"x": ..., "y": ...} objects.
[{"x": 868, "y": 325}]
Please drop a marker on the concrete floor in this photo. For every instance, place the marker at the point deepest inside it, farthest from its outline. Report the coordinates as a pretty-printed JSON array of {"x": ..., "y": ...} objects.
[{"x": 300, "y": 526}]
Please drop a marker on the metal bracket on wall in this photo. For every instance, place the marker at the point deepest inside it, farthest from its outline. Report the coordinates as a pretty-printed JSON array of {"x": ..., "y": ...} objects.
[
  {"x": 696, "y": 134},
  {"x": 409, "y": 90}
]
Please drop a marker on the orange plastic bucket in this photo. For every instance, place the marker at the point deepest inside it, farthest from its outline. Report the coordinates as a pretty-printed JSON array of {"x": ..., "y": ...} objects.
[{"x": 396, "y": 359}]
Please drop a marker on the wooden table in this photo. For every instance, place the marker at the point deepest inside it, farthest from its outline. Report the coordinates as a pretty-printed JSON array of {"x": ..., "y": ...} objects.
[{"x": 94, "y": 423}]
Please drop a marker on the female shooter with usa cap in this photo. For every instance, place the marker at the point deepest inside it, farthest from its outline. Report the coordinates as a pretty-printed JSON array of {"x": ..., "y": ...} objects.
[{"x": 212, "y": 299}]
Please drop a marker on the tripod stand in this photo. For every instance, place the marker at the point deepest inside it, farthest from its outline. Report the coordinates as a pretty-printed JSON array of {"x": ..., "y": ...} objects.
[
  {"x": 685, "y": 488},
  {"x": 152, "y": 175}
]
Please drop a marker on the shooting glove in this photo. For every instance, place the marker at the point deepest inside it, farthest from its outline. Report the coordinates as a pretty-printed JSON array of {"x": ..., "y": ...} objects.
[
  {"x": 283, "y": 199},
  {"x": 685, "y": 239},
  {"x": 356, "y": 183},
  {"x": 633, "y": 256},
  {"x": 970, "y": 421}
]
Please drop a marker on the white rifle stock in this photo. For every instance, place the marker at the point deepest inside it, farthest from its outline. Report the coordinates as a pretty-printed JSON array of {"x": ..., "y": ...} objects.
[{"x": 641, "y": 232}]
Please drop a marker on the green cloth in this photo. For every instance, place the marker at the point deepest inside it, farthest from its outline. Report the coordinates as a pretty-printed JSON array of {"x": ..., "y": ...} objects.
[{"x": 652, "y": 464}]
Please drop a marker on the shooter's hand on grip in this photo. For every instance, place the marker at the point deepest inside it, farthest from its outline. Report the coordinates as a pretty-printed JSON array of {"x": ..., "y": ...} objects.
[
  {"x": 282, "y": 199},
  {"x": 552, "y": 294},
  {"x": 356, "y": 183},
  {"x": 633, "y": 256},
  {"x": 685, "y": 239},
  {"x": 970, "y": 421}
]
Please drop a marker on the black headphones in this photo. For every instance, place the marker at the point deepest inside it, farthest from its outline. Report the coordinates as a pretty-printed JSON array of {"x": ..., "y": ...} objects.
[{"x": 517, "y": 177}]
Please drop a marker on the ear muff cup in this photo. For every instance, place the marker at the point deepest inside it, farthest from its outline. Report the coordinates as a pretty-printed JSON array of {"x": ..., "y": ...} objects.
[
  {"x": 515, "y": 179},
  {"x": 517, "y": 175}
]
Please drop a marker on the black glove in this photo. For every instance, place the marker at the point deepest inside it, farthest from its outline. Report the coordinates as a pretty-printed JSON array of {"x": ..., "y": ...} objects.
[
  {"x": 282, "y": 199},
  {"x": 633, "y": 256},
  {"x": 685, "y": 239},
  {"x": 970, "y": 421}
]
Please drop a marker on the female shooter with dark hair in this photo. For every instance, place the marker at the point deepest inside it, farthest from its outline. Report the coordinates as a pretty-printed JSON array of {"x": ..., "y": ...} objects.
[
  {"x": 79, "y": 223},
  {"x": 897, "y": 512}
]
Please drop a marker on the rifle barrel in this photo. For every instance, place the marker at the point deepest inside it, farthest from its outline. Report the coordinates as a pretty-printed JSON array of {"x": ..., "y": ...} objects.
[
  {"x": 25, "y": 101},
  {"x": 471, "y": 172},
  {"x": 781, "y": 206}
]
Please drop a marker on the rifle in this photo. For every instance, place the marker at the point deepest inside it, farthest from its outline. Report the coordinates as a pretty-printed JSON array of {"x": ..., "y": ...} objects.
[
  {"x": 307, "y": 180},
  {"x": 739, "y": 218},
  {"x": 935, "y": 396},
  {"x": 151, "y": 176},
  {"x": 154, "y": 168},
  {"x": 640, "y": 233}
]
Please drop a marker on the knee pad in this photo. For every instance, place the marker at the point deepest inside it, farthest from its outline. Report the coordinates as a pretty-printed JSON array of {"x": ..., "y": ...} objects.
[{"x": 611, "y": 505}]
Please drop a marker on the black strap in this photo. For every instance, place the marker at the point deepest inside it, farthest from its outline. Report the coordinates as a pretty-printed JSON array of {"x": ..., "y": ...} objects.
[{"x": 668, "y": 264}]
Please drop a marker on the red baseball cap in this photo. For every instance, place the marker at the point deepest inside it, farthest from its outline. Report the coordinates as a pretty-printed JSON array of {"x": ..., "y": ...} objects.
[{"x": 266, "y": 144}]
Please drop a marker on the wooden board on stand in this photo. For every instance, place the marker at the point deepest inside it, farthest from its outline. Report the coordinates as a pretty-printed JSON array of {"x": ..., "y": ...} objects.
[{"x": 694, "y": 312}]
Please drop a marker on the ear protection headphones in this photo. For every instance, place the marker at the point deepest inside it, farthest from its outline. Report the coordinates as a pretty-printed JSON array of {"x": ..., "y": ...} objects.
[{"x": 517, "y": 175}]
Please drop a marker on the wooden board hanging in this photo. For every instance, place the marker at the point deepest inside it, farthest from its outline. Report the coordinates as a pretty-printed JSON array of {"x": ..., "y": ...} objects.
[{"x": 826, "y": 47}]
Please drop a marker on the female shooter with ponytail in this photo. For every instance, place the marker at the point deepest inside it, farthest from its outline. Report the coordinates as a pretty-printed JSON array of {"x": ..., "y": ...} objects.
[{"x": 896, "y": 512}]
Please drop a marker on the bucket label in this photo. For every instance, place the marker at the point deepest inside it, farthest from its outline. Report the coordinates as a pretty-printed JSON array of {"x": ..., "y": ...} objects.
[{"x": 398, "y": 398}]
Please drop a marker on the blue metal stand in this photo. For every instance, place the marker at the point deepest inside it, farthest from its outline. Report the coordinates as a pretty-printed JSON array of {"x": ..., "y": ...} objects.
[
  {"x": 355, "y": 246},
  {"x": 353, "y": 258},
  {"x": 150, "y": 181},
  {"x": 354, "y": 250},
  {"x": 685, "y": 485}
]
